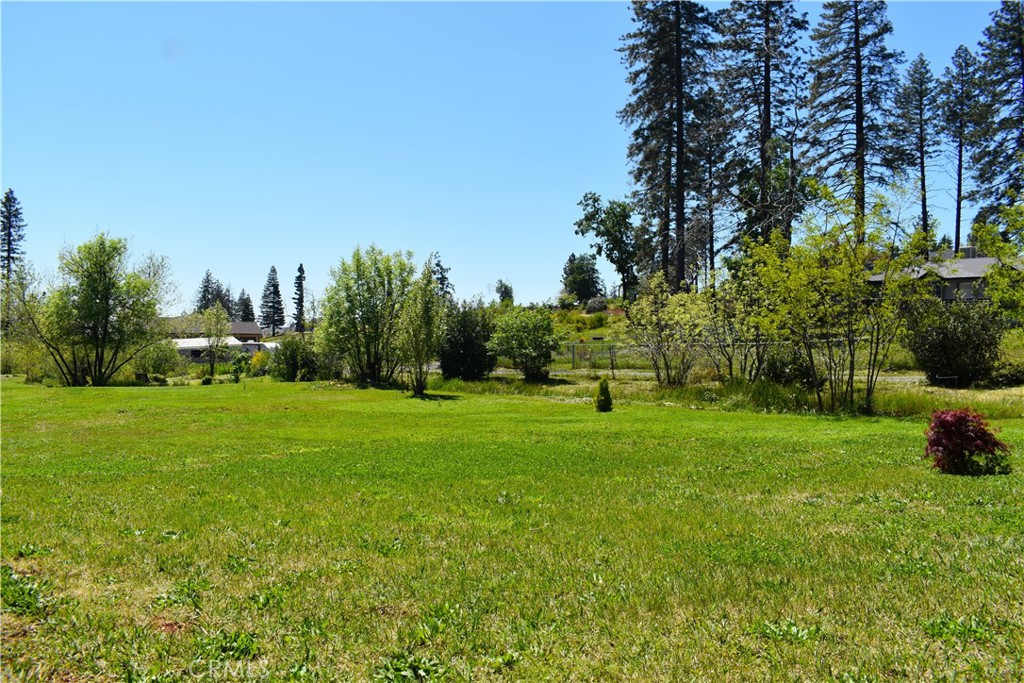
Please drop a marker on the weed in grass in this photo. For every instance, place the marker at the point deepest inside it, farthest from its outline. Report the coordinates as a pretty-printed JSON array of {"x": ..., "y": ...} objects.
[
  {"x": 405, "y": 666},
  {"x": 270, "y": 598},
  {"x": 187, "y": 592},
  {"x": 237, "y": 564},
  {"x": 173, "y": 535},
  {"x": 386, "y": 548},
  {"x": 132, "y": 674},
  {"x": 346, "y": 566},
  {"x": 970, "y": 628},
  {"x": 439, "y": 619},
  {"x": 23, "y": 595},
  {"x": 786, "y": 630},
  {"x": 225, "y": 645},
  {"x": 31, "y": 550},
  {"x": 504, "y": 661}
]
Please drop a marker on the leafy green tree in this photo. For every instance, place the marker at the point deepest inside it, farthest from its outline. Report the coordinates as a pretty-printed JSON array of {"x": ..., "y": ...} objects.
[
  {"x": 956, "y": 344},
  {"x": 915, "y": 129},
  {"x": 271, "y": 305},
  {"x": 527, "y": 338},
  {"x": 617, "y": 238},
  {"x": 763, "y": 78},
  {"x": 855, "y": 74},
  {"x": 1003, "y": 239},
  {"x": 998, "y": 157},
  {"x": 504, "y": 292},
  {"x": 580, "y": 278},
  {"x": 657, "y": 330},
  {"x": 843, "y": 290},
  {"x": 666, "y": 56},
  {"x": 299, "y": 299},
  {"x": 421, "y": 325},
  {"x": 959, "y": 112},
  {"x": 464, "y": 351},
  {"x": 243, "y": 305},
  {"x": 362, "y": 309},
  {"x": 100, "y": 314},
  {"x": 215, "y": 326}
]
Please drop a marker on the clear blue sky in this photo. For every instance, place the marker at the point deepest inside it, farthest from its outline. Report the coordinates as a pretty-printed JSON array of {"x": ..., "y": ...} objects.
[{"x": 238, "y": 136}]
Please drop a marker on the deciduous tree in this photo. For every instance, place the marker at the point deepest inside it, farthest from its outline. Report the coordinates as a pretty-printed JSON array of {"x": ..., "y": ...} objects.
[
  {"x": 362, "y": 309},
  {"x": 100, "y": 314}
]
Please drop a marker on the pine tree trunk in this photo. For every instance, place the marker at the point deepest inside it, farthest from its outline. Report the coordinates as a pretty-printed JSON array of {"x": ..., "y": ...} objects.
[{"x": 861, "y": 144}]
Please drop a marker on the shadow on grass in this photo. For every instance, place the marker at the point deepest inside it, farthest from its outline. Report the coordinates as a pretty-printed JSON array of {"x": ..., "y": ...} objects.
[{"x": 436, "y": 397}]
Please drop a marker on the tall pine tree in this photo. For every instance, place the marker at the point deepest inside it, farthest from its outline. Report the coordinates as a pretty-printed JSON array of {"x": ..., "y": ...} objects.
[
  {"x": 998, "y": 159},
  {"x": 855, "y": 74},
  {"x": 958, "y": 95},
  {"x": 666, "y": 56},
  {"x": 763, "y": 78},
  {"x": 12, "y": 232},
  {"x": 299, "y": 299},
  {"x": 915, "y": 130},
  {"x": 271, "y": 304},
  {"x": 243, "y": 307}
]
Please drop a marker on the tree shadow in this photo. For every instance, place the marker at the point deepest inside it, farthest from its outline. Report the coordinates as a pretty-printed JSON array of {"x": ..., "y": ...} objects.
[{"x": 437, "y": 397}]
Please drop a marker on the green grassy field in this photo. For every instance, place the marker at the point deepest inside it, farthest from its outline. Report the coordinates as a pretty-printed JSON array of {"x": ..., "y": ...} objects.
[{"x": 268, "y": 531}]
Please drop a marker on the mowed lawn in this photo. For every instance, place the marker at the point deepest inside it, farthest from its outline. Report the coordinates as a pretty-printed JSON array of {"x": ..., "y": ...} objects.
[{"x": 270, "y": 531}]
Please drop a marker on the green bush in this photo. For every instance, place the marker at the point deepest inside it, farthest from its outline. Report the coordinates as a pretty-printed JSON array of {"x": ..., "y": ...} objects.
[
  {"x": 207, "y": 381},
  {"x": 1005, "y": 374},
  {"x": 785, "y": 366},
  {"x": 464, "y": 352},
  {"x": 259, "y": 364},
  {"x": 159, "y": 359},
  {"x": 955, "y": 344},
  {"x": 239, "y": 366},
  {"x": 527, "y": 338},
  {"x": 603, "y": 397},
  {"x": 293, "y": 361}
]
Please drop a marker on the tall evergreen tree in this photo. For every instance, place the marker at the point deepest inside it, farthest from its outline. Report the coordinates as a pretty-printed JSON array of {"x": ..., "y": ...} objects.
[
  {"x": 855, "y": 74},
  {"x": 243, "y": 307},
  {"x": 714, "y": 153},
  {"x": 958, "y": 94},
  {"x": 212, "y": 292},
  {"x": 299, "y": 299},
  {"x": 209, "y": 292},
  {"x": 998, "y": 159},
  {"x": 12, "y": 232},
  {"x": 666, "y": 57},
  {"x": 271, "y": 304},
  {"x": 915, "y": 129},
  {"x": 763, "y": 78}
]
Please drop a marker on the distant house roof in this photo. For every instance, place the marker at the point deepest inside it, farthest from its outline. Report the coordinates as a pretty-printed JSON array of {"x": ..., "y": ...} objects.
[
  {"x": 189, "y": 327},
  {"x": 246, "y": 328},
  {"x": 954, "y": 269}
]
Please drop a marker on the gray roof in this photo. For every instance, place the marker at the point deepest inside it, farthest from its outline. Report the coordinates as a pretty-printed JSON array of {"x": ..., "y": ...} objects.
[{"x": 954, "y": 269}]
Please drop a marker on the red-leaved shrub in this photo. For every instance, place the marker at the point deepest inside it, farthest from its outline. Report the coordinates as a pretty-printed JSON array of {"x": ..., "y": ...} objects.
[{"x": 960, "y": 442}]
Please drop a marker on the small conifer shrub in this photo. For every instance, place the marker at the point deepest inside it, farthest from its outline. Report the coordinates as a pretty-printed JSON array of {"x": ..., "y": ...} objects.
[
  {"x": 603, "y": 397},
  {"x": 960, "y": 442}
]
